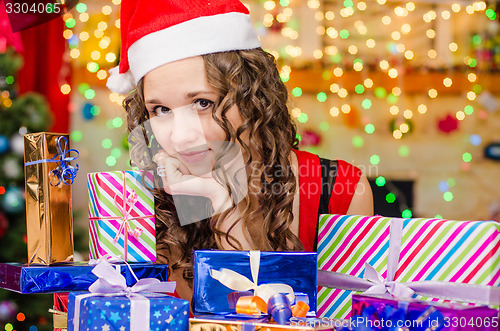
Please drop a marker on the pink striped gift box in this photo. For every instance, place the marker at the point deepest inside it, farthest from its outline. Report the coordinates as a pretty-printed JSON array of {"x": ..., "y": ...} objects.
[
  {"x": 121, "y": 216},
  {"x": 430, "y": 250}
]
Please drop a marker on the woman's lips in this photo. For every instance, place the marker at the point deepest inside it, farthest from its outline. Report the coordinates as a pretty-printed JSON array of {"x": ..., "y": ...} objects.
[{"x": 194, "y": 156}]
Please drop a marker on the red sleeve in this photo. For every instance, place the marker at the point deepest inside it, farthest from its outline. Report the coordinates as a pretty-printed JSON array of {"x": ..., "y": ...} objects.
[
  {"x": 309, "y": 195},
  {"x": 344, "y": 187}
]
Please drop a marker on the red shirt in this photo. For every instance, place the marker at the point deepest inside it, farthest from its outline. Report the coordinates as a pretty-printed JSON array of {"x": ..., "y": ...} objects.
[{"x": 310, "y": 183}]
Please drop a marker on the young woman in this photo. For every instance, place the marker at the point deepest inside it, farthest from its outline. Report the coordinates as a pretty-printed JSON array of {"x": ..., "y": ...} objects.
[{"x": 232, "y": 174}]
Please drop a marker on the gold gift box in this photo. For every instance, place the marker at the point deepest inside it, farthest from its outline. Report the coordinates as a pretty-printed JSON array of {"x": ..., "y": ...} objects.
[
  {"x": 60, "y": 320},
  {"x": 207, "y": 324},
  {"x": 49, "y": 219}
]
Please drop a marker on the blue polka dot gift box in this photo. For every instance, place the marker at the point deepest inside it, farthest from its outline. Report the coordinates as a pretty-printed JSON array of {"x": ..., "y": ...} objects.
[{"x": 110, "y": 305}]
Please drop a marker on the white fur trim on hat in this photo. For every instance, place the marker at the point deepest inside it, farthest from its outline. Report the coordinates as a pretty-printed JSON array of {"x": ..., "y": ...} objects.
[
  {"x": 120, "y": 83},
  {"x": 199, "y": 36}
]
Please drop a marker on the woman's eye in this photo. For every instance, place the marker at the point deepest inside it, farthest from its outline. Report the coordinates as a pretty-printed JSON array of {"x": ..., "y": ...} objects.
[
  {"x": 160, "y": 110},
  {"x": 203, "y": 104}
]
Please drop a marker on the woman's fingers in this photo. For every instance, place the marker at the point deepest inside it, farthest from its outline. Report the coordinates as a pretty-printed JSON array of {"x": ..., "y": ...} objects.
[
  {"x": 177, "y": 180},
  {"x": 172, "y": 170},
  {"x": 160, "y": 160}
]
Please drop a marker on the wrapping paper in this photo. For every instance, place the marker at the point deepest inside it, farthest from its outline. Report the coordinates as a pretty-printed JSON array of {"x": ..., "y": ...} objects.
[
  {"x": 121, "y": 216},
  {"x": 113, "y": 313},
  {"x": 381, "y": 313},
  {"x": 61, "y": 301},
  {"x": 210, "y": 323},
  {"x": 296, "y": 269},
  {"x": 430, "y": 249},
  {"x": 60, "y": 311},
  {"x": 49, "y": 219},
  {"x": 75, "y": 277}
]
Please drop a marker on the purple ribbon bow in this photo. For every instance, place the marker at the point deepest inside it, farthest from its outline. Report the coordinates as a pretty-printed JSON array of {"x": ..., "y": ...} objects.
[{"x": 111, "y": 282}]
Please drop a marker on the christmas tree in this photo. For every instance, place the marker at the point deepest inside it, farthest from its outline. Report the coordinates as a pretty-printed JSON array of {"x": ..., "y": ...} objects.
[{"x": 19, "y": 114}]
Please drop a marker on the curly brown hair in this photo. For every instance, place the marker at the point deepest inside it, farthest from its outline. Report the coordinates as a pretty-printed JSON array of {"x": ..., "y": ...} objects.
[{"x": 250, "y": 80}]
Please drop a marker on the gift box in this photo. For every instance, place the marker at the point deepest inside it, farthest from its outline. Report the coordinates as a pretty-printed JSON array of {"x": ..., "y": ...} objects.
[
  {"x": 121, "y": 215},
  {"x": 380, "y": 313},
  {"x": 207, "y": 323},
  {"x": 112, "y": 304},
  {"x": 432, "y": 258},
  {"x": 48, "y": 179},
  {"x": 120, "y": 313},
  {"x": 65, "y": 278},
  {"x": 60, "y": 311},
  {"x": 294, "y": 272}
]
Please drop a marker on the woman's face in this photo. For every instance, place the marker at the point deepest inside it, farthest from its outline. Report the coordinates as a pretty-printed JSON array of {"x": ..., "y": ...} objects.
[{"x": 180, "y": 101}]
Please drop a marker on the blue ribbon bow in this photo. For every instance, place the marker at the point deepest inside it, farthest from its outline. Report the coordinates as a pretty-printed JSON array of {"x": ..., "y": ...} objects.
[{"x": 64, "y": 172}]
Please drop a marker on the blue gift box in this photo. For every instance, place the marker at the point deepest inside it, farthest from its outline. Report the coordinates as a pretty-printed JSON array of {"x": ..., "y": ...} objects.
[
  {"x": 113, "y": 313},
  {"x": 297, "y": 269},
  {"x": 77, "y": 276}
]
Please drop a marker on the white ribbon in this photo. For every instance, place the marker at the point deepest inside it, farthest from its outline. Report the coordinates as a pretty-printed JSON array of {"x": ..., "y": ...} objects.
[
  {"x": 388, "y": 285},
  {"x": 109, "y": 258},
  {"x": 238, "y": 282},
  {"x": 111, "y": 283},
  {"x": 382, "y": 286}
]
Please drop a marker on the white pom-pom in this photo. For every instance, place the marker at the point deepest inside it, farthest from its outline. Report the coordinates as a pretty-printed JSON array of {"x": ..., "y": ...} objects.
[{"x": 120, "y": 83}]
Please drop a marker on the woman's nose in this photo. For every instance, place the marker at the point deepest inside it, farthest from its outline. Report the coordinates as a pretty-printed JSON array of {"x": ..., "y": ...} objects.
[{"x": 187, "y": 131}]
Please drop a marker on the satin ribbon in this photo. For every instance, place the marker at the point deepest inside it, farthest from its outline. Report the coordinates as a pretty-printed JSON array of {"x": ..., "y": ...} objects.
[
  {"x": 300, "y": 309},
  {"x": 278, "y": 307},
  {"x": 109, "y": 258},
  {"x": 374, "y": 283},
  {"x": 250, "y": 305},
  {"x": 128, "y": 203},
  {"x": 111, "y": 283},
  {"x": 64, "y": 172},
  {"x": 233, "y": 297},
  {"x": 238, "y": 282},
  {"x": 370, "y": 316}
]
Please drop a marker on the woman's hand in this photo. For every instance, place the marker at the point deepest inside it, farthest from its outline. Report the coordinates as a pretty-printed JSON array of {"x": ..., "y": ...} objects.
[{"x": 177, "y": 180}]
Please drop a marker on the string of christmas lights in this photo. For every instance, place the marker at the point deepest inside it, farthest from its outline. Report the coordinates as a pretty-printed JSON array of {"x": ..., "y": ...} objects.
[{"x": 371, "y": 55}]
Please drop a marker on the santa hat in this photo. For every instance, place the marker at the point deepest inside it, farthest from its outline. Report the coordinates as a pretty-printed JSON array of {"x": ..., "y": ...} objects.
[{"x": 162, "y": 31}]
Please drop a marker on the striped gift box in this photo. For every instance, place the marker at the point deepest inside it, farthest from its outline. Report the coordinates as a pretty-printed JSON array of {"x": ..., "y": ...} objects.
[
  {"x": 113, "y": 221},
  {"x": 431, "y": 249}
]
